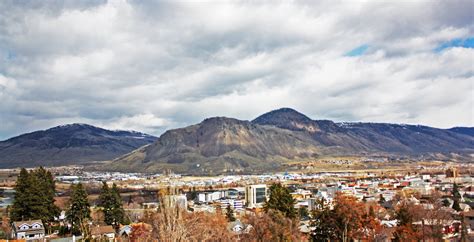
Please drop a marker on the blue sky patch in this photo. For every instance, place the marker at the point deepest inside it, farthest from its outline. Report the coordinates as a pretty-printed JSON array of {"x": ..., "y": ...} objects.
[
  {"x": 358, "y": 51},
  {"x": 464, "y": 43}
]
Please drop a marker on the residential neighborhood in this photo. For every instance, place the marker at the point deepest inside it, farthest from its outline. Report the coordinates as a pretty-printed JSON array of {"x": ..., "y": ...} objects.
[{"x": 241, "y": 196}]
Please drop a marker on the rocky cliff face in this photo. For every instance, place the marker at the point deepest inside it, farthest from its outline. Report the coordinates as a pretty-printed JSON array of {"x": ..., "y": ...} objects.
[{"x": 222, "y": 144}]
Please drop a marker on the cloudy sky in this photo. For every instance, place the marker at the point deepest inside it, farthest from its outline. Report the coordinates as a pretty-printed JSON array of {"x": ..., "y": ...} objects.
[{"x": 152, "y": 65}]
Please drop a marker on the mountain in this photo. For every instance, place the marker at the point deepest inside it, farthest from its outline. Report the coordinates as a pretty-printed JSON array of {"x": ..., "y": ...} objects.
[
  {"x": 463, "y": 130},
  {"x": 224, "y": 144},
  {"x": 218, "y": 144},
  {"x": 69, "y": 144}
]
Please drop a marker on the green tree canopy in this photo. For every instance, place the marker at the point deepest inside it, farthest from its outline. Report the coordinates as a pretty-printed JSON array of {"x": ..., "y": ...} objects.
[
  {"x": 79, "y": 209},
  {"x": 281, "y": 200},
  {"x": 456, "y": 197},
  {"x": 322, "y": 222},
  {"x": 34, "y": 196},
  {"x": 111, "y": 202}
]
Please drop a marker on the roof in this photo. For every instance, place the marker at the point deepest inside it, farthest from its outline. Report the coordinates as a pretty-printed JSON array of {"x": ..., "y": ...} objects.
[
  {"x": 17, "y": 226},
  {"x": 469, "y": 213},
  {"x": 100, "y": 230}
]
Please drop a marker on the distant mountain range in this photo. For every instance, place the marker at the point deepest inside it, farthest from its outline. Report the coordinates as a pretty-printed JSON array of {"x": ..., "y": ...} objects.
[
  {"x": 222, "y": 144},
  {"x": 69, "y": 144}
]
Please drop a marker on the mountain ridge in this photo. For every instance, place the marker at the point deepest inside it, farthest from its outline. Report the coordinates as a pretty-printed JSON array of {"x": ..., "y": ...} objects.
[
  {"x": 283, "y": 135},
  {"x": 69, "y": 144},
  {"x": 220, "y": 144}
]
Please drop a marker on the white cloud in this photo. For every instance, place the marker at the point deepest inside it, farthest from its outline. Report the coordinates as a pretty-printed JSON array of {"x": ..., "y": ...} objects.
[{"x": 150, "y": 66}]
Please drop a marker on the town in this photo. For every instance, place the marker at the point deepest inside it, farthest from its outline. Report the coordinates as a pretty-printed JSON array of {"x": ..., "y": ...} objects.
[{"x": 437, "y": 199}]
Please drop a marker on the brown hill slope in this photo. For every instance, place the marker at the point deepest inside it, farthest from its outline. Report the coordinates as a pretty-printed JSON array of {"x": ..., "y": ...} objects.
[{"x": 222, "y": 144}]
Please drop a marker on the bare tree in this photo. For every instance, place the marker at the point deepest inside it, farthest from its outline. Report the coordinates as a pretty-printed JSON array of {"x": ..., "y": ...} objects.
[
  {"x": 173, "y": 223},
  {"x": 433, "y": 217}
]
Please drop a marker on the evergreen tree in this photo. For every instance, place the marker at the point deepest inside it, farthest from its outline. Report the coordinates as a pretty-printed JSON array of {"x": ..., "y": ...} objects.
[
  {"x": 79, "y": 210},
  {"x": 20, "y": 209},
  {"x": 43, "y": 189},
  {"x": 281, "y": 200},
  {"x": 381, "y": 199},
  {"x": 446, "y": 202},
  {"x": 405, "y": 217},
  {"x": 456, "y": 191},
  {"x": 456, "y": 205},
  {"x": 34, "y": 197},
  {"x": 105, "y": 201},
  {"x": 230, "y": 214},
  {"x": 456, "y": 197},
  {"x": 303, "y": 212},
  {"x": 322, "y": 222},
  {"x": 111, "y": 202},
  {"x": 118, "y": 211}
]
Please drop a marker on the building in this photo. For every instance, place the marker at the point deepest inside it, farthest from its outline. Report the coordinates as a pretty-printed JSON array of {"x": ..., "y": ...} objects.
[
  {"x": 28, "y": 230},
  {"x": 452, "y": 172},
  {"x": 256, "y": 195},
  {"x": 103, "y": 233},
  {"x": 234, "y": 203},
  {"x": 209, "y": 196}
]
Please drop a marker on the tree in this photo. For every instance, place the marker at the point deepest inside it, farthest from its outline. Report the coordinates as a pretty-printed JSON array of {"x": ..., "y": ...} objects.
[
  {"x": 34, "y": 197},
  {"x": 381, "y": 199},
  {"x": 111, "y": 203},
  {"x": 43, "y": 188},
  {"x": 280, "y": 200},
  {"x": 348, "y": 217},
  {"x": 405, "y": 214},
  {"x": 21, "y": 208},
  {"x": 79, "y": 210},
  {"x": 230, "y": 214},
  {"x": 209, "y": 227},
  {"x": 303, "y": 212},
  {"x": 118, "y": 211},
  {"x": 322, "y": 222},
  {"x": 141, "y": 232},
  {"x": 172, "y": 223},
  {"x": 271, "y": 226},
  {"x": 456, "y": 197},
  {"x": 372, "y": 229},
  {"x": 446, "y": 202}
]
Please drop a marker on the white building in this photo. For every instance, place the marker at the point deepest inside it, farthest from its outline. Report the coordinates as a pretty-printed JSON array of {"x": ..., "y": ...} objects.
[
  {"x": 28, "y": 230},
  {"x": 256, "y": 195},
  {"x": 211, "y": 196}
]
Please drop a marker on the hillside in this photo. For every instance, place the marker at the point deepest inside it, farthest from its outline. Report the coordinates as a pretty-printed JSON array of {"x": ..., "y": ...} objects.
[
  {"x": 224, "y": 144},
  {"x": 69, "y": 144},
  {"x": 218, "y": 144}
]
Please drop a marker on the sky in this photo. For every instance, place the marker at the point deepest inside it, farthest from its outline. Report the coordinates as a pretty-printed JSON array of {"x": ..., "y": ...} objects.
[{"x": 154, "y": 65}]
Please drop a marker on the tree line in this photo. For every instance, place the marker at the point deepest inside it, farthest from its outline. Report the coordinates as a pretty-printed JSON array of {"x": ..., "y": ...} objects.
[{"x": 34, "y": 199}]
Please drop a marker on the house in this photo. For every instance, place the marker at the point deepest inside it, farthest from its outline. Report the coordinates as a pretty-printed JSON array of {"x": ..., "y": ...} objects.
[
  {"x": 103, "y": 232},
  {"x": 125, "y": 231},
  {"x": 238, "y": 227},
  {"x": 28, "y": 230},
  {"x": 469, "y": 219}
]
